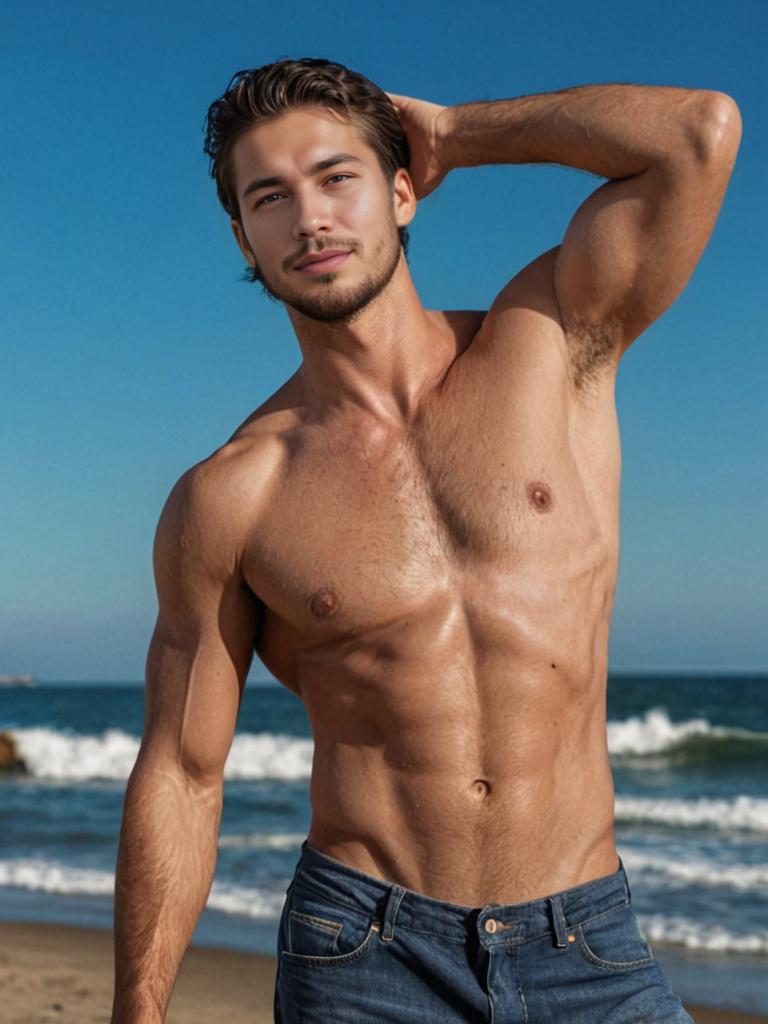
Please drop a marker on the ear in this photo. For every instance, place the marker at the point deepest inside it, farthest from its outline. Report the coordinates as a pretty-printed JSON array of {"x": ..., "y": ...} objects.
[
  {"x": 404, "y": 197},
  {"x": 242, "y": 242}
]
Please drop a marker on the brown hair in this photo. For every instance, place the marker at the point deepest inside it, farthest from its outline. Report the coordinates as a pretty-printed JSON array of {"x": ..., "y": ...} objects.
[{"x": 272, "y": 89}]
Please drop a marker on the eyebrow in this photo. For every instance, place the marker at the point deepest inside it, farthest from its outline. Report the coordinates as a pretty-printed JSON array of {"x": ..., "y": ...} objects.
[{"x": 321, "y": 165}]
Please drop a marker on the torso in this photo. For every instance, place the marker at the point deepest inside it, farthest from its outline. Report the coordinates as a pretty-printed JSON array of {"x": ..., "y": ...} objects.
[{"x": 440, "y": 598}]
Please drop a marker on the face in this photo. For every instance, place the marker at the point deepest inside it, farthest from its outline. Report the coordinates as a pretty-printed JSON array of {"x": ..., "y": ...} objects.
[{"x": 307, "y": 184}]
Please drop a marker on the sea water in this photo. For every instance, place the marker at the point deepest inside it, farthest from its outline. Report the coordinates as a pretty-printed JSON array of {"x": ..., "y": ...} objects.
[{"x": 689, "y": 757}]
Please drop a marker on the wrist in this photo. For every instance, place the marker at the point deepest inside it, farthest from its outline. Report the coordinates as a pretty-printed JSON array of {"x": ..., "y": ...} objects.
[{"x": 444, "y": 141}]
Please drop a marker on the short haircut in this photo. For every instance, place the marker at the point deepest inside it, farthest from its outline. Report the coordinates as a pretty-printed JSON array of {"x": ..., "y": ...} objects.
[{"x": 259, "y": 93}]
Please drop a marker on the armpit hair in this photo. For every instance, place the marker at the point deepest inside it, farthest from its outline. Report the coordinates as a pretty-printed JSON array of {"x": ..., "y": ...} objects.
[{"x": 592, "y": 347}]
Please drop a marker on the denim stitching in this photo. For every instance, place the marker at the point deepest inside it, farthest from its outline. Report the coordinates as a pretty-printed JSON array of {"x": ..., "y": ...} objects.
[
  {"x": 426, "y": 931},
  {"x": 587, "y": 920},
  {"x": 523, "y": 1004},
  {"x": 287, "y": 956},
  {"x": 609, "y": 965},
  {"x": 332, "y": 926},
  {"x": 313, "y": 893}
]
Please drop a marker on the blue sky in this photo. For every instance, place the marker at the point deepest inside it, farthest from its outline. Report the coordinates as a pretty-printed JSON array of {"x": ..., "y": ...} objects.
[{"x": 131, "y": 348}]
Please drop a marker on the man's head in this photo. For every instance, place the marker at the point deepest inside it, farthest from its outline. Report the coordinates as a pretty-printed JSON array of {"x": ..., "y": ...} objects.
[{"x": 272, "y": 139}]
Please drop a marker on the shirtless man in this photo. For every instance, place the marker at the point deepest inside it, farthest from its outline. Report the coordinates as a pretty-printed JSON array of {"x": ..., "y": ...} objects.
[{"x": 418, "y": 533}]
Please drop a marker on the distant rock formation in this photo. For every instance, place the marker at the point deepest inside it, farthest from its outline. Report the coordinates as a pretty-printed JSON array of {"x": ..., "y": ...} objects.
[
  {"x": 23, "y": 680},
  {"x": 10, "y": 761}
]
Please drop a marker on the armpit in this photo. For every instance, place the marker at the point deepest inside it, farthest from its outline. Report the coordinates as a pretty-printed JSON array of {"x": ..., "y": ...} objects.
[{"x": 593, "y": 349}]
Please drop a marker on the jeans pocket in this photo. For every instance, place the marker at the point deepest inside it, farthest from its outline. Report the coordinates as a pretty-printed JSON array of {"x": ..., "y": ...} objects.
[
  {"x": 613, "y": 941},
  {"x": 312, "y": 936},
  {"x": 321, "y": 933}
]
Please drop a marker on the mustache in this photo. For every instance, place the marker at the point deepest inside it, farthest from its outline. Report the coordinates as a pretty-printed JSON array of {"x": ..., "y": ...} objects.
[{"x": 327, "y": 243}]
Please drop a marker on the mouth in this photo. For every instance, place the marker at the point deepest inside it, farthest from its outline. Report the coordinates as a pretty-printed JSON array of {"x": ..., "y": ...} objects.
[{"x": 323, "y": 264}]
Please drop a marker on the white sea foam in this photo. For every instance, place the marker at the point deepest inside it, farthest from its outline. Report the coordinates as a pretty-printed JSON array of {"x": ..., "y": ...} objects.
[
  {"x": 655, "y": 732},
  {"x": 248, "y": 902},
  {"x": 262, "y": 840},
  {"x": 696, "y": 871},
  {"x": 68, "y": 757},
  {"x": 71, "y": 757},
  {"x": 39, "y": 875},
  {"x": 684, "y": 931},
  {"x": 740, "y": 812},
  {"x": 269, "y": 756}
]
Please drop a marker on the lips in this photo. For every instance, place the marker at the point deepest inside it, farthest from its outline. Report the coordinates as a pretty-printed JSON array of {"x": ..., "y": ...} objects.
[{"x": 322, "y": 263}]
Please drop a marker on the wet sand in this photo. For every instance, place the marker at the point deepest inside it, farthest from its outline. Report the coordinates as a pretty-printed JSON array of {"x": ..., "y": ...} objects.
[{"x": 58, "y": 974}]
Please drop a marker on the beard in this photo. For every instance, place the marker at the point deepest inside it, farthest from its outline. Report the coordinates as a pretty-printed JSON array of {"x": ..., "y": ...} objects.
[{"x": 336, "y": 304}]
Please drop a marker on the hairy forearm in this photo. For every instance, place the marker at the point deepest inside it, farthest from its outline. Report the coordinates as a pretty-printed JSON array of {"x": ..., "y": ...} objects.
[
  {"x": 165, "y": 865},
  {"x": 612, "y": 130}
]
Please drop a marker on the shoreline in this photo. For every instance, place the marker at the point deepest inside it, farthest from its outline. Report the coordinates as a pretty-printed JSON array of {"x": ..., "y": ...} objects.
[{"x": 64, "y": 973}]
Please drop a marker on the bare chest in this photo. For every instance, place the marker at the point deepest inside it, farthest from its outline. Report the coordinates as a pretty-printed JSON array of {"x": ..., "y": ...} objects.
[{"x": 366, "y": 530}]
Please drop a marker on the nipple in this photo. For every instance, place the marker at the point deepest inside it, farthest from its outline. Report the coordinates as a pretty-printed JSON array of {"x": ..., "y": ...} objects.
[
  {"x": 324, "y": 603},
  {"x": 539, "y": 495}
]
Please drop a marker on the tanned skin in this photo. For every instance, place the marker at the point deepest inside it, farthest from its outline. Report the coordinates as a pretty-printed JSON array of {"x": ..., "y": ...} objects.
[{"x": 419, "y": 531}]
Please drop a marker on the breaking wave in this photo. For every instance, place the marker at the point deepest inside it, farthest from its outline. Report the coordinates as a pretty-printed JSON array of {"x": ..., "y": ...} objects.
[
  {"x": 38, "y": 875},
  {"x": 73, "y": 757},
  {"x": 740, "y": 812},
  {"x": 68, "y": 757},
  {"x": 695, "y": 740}
]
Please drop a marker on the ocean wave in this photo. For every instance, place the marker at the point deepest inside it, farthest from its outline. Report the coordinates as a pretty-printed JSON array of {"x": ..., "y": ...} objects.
[
  {"x": 692, "y": 740},
  {"x": 68, "y": 757},
  {"x": 38, "y": 875},
  {"x": 72, "y": 757},
  {"x": 693, "y": 871},
  {"x": 262, "y": 840},
  {"x": 266, "y": 902},
  {"x": 700, "y": 935},
  {"x": 741, "y": 812}
]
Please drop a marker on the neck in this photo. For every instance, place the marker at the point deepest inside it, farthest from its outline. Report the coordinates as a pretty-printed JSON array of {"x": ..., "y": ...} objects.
[{"x": 381, "y": 362}]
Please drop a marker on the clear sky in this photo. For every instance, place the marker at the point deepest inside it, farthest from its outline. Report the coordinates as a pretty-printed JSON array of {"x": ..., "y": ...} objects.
[{"x": 131, "y": 348}]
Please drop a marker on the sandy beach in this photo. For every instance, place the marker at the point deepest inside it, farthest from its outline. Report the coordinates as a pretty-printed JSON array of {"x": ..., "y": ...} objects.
[{"x": 62, "y": 974}]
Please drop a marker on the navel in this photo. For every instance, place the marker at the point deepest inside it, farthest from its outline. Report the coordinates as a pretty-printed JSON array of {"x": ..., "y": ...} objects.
[
  {"x": 324, "y": 603},
  {"x": 481, "y": 788},
  {"x": 540, "y": 496}
]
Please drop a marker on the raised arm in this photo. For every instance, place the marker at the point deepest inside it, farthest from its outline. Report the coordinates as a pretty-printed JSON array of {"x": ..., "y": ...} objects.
[
  {"x": 633, "y": 244},
  {"x": 197, "y": 663}
]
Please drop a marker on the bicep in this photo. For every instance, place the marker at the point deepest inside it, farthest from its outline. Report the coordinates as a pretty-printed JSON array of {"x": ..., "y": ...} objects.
[
  {"x": 632, "y": 246},
  {"x": 201, "y": 648}
]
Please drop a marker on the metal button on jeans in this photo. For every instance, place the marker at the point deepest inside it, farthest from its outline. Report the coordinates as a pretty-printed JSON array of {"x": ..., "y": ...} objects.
[{"x": 491, "y": 925}]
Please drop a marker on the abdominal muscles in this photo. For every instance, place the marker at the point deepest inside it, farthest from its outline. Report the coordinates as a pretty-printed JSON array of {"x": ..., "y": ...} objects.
[{"x": 461, "y": 751}]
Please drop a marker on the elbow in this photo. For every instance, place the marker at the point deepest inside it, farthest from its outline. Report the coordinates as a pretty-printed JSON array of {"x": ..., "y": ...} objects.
[
  {"x": 164, "y": 770},
  {"x": 202, "y": 774},
  {"x": 716, "y": 128}
]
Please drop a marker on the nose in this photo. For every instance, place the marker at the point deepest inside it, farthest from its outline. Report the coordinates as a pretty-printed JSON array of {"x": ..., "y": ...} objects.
[{"x": 312, "y": 215}]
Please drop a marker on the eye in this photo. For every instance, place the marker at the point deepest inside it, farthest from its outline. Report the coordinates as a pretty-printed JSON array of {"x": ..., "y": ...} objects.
[
  {"x": 339, "y": 176},
  {"x": 266, "y": 199}
]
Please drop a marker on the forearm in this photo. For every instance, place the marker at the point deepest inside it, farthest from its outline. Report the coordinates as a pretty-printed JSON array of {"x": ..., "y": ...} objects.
[
  {"x": 612, "y": 130},
  {"x": 165, "y": 865}
]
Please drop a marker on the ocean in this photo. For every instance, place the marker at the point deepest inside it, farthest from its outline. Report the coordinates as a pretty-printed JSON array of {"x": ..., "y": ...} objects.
[{"x": 689, "y": 755}]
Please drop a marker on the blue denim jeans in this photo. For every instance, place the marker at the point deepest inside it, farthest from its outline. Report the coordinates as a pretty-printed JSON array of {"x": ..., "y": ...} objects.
[{"x": 353, "y": 949}]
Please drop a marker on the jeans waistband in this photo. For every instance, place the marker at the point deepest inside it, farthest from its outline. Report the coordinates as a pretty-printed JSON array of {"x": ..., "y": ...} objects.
[{"x": 336, "y": 882}]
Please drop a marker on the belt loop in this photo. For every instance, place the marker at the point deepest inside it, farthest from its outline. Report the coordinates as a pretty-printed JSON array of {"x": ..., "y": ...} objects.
[
  {"x": 394, "y": 899},
  {"x": 558, "y": 922},
  {"x": 626, "y": 880}
]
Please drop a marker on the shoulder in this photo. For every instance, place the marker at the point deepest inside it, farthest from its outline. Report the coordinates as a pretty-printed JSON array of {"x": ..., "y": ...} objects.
[{"x": 216, "y": 504}]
